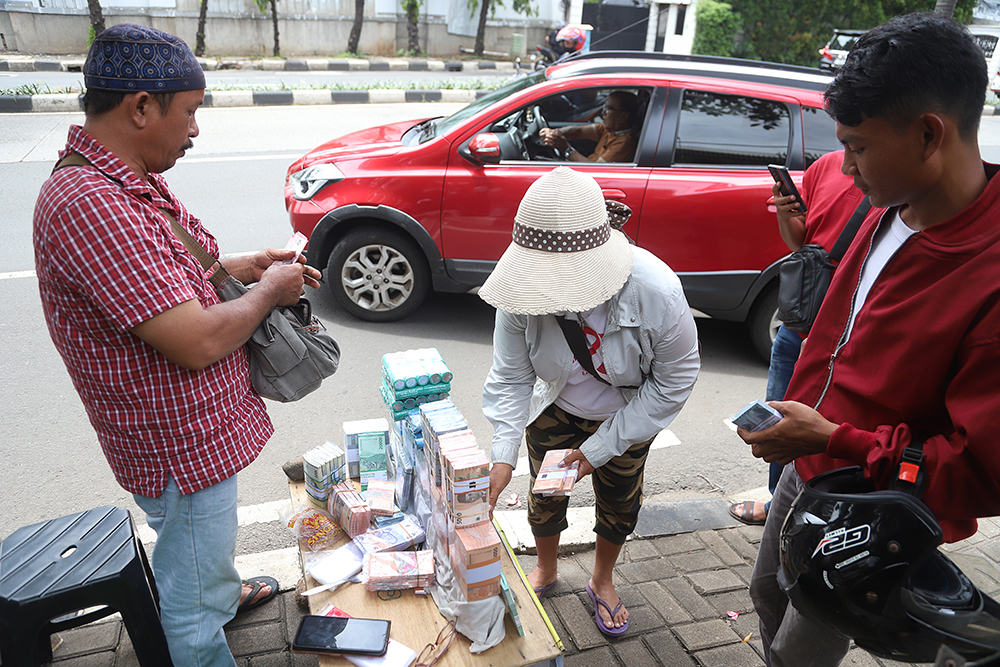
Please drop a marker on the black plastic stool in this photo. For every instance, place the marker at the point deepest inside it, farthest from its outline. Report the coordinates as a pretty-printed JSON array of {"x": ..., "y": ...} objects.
[{"x": 64, "y": 565}]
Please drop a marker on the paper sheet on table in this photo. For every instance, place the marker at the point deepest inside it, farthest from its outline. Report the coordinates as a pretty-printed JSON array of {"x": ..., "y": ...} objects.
[{"x": 396, "y": 655}]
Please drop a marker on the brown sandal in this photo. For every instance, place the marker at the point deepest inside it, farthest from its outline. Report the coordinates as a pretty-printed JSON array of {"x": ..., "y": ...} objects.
[{"x": 746, "y": 516}]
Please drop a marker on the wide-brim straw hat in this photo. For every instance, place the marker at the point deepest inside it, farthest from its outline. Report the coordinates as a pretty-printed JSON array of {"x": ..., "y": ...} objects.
[{"x": 565, "y": 257}]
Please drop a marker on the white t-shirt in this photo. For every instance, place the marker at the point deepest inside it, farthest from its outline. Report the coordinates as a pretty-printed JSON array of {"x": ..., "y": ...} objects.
[
  {"x": 584, "y": 395},
  {"x": 887, "y": 241}
]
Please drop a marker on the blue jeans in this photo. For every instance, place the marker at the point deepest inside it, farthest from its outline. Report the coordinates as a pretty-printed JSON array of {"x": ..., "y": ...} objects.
[
  {"x": 784, "y": 354},
  {"x": 193, "y": 563}
]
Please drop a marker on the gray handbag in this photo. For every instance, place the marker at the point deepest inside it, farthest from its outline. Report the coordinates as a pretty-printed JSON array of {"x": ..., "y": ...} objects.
[{"x": 291, "y": 352}]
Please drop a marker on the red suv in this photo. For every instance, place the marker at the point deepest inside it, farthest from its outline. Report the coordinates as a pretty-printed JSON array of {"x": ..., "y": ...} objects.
[{"x": 394, "y": 211}]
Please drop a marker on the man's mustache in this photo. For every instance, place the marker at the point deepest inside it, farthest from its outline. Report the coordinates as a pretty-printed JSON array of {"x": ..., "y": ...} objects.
[{"x": 188, "y": 146}]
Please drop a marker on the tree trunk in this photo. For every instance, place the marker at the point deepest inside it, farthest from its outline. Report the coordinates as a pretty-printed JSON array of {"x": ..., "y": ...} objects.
[
  {"x": 274, "y": 18},
  {"x": 412, "y": 29},
  {"x": 481, "y": 32},
  {"x": 96, "y": 16},
  {"x": 199, "y": 40},
  {"x": 945, "y": 8},
  {"x": 355, "y": 36}
]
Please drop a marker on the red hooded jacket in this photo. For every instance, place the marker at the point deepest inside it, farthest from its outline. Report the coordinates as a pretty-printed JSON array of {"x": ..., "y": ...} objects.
[{"x": 922, "y": 363}]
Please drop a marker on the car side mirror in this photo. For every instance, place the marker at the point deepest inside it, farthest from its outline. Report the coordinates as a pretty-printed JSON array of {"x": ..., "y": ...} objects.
[{"x": 485, "y": 147}]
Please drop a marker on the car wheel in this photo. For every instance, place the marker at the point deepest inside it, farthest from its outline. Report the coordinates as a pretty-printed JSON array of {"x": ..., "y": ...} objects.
[
  {"x": 763, "y": 322},
  {"x": 377, "y": 275}
]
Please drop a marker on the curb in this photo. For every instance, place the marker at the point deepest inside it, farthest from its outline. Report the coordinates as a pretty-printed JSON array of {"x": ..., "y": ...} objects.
[{"x": 63, "y": 103}]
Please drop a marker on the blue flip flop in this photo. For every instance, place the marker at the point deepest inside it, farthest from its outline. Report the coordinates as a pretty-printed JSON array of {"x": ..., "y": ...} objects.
[
  {"x": 542, "y": 590},
  {"x": 598, "y": 603}
]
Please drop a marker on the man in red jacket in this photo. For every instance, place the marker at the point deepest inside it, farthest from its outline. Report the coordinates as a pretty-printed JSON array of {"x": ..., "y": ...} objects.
[{"x": 906, "y": 347}]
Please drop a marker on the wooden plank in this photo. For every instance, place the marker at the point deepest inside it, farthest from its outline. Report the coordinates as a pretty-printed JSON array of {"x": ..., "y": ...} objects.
[{"x": 416, "y": 620}]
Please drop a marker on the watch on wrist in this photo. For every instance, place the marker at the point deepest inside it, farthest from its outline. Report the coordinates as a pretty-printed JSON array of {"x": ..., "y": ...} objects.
[{"x": 570, "y": 150}]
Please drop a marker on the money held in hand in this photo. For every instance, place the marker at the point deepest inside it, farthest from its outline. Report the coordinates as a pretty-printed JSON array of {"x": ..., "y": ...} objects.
[
  {"x": 553, "y": 480},
  {"x": 756, "y": 416}
]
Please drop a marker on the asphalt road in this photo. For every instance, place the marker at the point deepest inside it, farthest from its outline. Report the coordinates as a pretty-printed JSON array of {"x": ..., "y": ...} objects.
[{"x": 52, "y": 464}]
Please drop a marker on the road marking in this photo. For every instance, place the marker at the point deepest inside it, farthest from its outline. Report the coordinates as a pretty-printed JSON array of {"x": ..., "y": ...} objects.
[{"x": 664, "y": 438}]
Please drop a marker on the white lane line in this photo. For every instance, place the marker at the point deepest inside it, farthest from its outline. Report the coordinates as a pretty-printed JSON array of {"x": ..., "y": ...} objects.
[{"x": 664, "y": 438}]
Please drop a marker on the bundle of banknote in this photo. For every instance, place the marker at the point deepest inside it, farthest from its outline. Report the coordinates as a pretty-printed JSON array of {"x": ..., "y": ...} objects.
[
  {"x": 553, "y": 480},
  {"x": 349, "y": 509},
  {"x": 467, "y": 485},
  {"x": 396, "y": 537},
  {"x": 475, "y": 560},
  {"x": 387, "y": 571},
  {"x": 381, "y": 497},
  {"x": 323, "y": 467}
]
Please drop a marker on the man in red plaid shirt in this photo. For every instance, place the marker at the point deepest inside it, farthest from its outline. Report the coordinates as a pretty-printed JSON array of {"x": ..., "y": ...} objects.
[{"x": 157, "y": 359}]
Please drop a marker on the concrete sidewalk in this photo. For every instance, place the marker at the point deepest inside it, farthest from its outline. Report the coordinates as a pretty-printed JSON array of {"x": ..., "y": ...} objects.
[{"x": 683, "y": 577}]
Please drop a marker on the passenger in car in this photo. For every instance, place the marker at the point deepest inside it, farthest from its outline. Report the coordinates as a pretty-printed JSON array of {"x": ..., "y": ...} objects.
[
  {"x": 595, "y": 351},
  {"x": 615, "y": 137}
]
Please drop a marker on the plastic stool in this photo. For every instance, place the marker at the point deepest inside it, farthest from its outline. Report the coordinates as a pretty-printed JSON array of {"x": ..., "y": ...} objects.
[{"x": 58, "y": 567}]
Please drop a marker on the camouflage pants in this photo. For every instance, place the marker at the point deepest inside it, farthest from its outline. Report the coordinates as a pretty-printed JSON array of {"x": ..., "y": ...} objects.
[{"x": 617, "y": 484}]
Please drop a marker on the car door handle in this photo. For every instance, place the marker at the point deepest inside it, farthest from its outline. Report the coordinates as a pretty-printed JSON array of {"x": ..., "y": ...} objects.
[{"x": 617, "y": 195}]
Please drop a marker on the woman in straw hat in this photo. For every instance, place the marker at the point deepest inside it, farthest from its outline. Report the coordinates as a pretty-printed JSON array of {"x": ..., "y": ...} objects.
[{"x": 625, "y": 312}]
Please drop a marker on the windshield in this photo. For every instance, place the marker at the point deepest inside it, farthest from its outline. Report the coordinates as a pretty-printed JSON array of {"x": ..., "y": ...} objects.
[{"x": 460, "y": 116}]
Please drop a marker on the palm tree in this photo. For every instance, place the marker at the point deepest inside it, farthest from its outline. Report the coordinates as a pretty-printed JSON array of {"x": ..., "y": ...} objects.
[
  {"x": 355, "y": 36},
  {"x": 412, "y": 9},
  {"x": 262, "y": 5},
  {"x": 199, "y": 40},
  {"x": 96, "y": 16}
]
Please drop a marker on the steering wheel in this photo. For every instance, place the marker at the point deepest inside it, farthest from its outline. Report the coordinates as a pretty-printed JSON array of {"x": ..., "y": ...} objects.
[{"x": 534, "y": 130}]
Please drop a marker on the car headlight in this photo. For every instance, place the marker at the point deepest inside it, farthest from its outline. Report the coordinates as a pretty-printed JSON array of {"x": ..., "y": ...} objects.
[{"x": 306, "y": 183}]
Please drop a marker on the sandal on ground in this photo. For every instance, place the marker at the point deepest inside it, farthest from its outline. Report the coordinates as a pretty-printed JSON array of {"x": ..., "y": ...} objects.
[
  {"x": 542, "y": 590},
  {"x": 746, "y": 516},
  {"x": 256, "y": 584},
  {"x": 598, "y": 603}
]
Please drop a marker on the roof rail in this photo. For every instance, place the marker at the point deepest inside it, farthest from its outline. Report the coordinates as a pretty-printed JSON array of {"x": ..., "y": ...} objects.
[{"x": 681, "y": 57}]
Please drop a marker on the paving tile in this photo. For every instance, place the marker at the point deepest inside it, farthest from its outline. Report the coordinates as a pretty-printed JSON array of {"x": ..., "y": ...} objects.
[
  {"x": 664, "y": 603},
  {"x": 292, "y": 614},
  {"x": 646, "y": 570},
  {"x": 715, "y": 581},
  {"x": 125, "y": 655},
  {"x": 667, "y": 650},
  {"x": 586, "y": 560},
  {"x": 250, "y": 639},
  {"x": 684, "y": 593},
  {"x": 640, "y": 550},
  {"x": 739, "y": 544},
  {"x": 578, "y": 621},
  {"x": 642, "y": 620},
  {"x": 88, "y": 639},
  {"x": 676, "y": 544},
  {"x": 99, "y": 659},
  {"x": 633, "y": 652},
  {"x": 569, "y": 647},
  {"x": 695, "y": 561},
  {"x": 733, "y": 655},
  {"x": 265, "y": 613},
  {"x": 706, "y": 634},
  {"x": 279, "y": 659},
  {"x": 598, "y": 657},
  {"x": 572, "y": 576},
  {"x": 744, "y": 572},
  {"x": 751, "y": 534},
  {"x": 738, "y": 601},
  {"x": 721, "y": 548},
  {"x": 304, "y": 660},
  {"x": 858, "y": 657}
]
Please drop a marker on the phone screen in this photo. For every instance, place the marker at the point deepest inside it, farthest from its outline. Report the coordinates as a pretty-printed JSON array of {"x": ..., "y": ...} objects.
[{"x": 331, "y": 634}]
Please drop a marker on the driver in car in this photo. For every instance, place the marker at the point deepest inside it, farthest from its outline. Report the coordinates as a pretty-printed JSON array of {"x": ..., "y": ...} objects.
[{"x": 615, "y": 137}]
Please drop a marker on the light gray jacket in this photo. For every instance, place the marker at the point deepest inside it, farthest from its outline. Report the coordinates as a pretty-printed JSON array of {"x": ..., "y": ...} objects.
[{"x": 649, "y": 349}]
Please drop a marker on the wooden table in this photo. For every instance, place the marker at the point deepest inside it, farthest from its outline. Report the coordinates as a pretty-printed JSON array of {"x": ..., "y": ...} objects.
[{"x": 416, "y": 620}]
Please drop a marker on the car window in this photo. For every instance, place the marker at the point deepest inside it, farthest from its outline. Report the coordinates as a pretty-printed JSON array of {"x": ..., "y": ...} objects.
[
  {"x": 843, "y": 42},
  {"x": 463, "y": 114},
  {"x": 722, "y": 129},
  {"x": 820, "y": 134}
]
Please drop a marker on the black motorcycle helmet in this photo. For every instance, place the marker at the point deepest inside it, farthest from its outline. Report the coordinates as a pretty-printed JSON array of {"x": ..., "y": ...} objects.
[{"x": 865, "y": 563}]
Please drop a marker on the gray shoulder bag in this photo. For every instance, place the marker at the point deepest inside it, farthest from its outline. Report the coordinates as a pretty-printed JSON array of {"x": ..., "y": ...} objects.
[{"x": 291, "y": 352}]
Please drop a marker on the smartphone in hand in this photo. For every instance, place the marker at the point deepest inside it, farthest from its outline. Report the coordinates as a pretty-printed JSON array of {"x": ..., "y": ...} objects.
[{"x": 780, "y": 175}]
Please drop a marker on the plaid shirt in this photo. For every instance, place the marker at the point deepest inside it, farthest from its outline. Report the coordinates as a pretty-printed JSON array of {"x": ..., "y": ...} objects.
[{"x": 107, "y": 261}]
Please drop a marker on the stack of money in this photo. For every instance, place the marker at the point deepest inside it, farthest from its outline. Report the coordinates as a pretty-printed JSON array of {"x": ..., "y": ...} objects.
[
  {"x": 467, "y": 485},
  {"x": 323, "y": 467},
  {"x": 349, "y": 509},
  {"x": 381, "y": 497},
  {"x": 475, "y": 559},
  {"x": 401, "y": 467},
  {"x": 412, "y": 378},
  {"x": 368, "y": 438},
  {"x": 553, "y": 480},
  {"x": 396, "y": 537},
  {"x": 388, "y": 571},
  {"x": 451, "y": 444},
  {"x": 437, "y": 420}
]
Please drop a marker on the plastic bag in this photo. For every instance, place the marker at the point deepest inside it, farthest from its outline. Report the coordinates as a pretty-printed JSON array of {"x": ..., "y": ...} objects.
[{"x": 313, "y": 528}]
